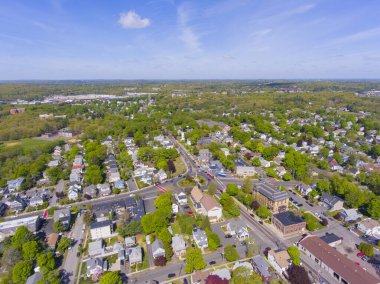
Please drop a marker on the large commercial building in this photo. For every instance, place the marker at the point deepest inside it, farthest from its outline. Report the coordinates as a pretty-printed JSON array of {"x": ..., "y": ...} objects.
[
  {"x": 338, "y": 265},
  {"x": 266, "y": 195}
]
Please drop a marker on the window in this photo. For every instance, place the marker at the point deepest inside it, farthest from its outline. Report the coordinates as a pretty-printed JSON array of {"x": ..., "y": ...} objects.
[
  {"x": 316, "y": 260},
  {"x": 336, "y": 276},
  {"x": 344, "y": 281}
]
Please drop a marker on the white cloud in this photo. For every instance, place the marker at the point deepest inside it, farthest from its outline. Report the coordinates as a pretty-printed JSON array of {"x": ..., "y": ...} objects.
[
  {"x": 363, "y": 35},
  {"x": 188, "y": 35},
  {"x": 261, "y": 33},
  {"x": 131, "y": 20}
]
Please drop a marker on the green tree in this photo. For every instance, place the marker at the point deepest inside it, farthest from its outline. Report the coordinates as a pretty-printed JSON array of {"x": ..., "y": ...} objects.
[
  {"x": 247, "y": 185},
  {"x": 295, "y": 255},
  {"x": 88, "y": 217},
  {"x": 194, "y": 260},
  {"x": 232, "y": 189},
  {"x": 287, "y": 177},
  {"x": 244, "y": 275},
  {"x": 93, "y": 175},
  {"x": 323, "y": 186},
  {"x": 21, "y": 236},
  {"x": 256, "y": 162},
  {"x": 46, "y": 261},
  {"x": 22, "y": 271},
  {"x": 165, "y": 236},
  {"x": 111, "y": 278},
  {"x": 164, "y": 200},
  {"x": 59, "y": 227},
  {"x": 132, "y": 228},
  {"x": 213, "y": 241},
  {"x": 63, "y": 244},
  {"x": 54, "y": 174},
  {"x": 374, "y": 208},
  {"x": 295, "y": 162},
  {"x": 230, "y": 253},
  {"x": 367, "y": 249},
  {"x": 263, "y": 212},
  {"x": 30, "y": 250}
]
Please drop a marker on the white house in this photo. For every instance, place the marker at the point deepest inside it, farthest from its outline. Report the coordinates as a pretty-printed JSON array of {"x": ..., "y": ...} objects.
[
  {"x": 182, "y": 198},
  {"x": 100, "y": 230},
  {"x": 236, "y": 228},
  {"x": 245, "y": 171},
  {"x": 225, "y": 151},
  {"x": 157, "y": 248},
  {"x": 161, "y": 175},
  {"x": 200, "y": 238},
  {"x": 370, "y": 227},
  {"x": 179, "y": 246},
  {"x": 350, "y": 215}
]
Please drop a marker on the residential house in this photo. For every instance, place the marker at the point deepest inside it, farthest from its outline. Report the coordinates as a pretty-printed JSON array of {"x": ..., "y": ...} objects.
[
  {"x": 264, "y": 163},
  {"x": 179, "y": 246},
  {"x": 204, "y": 156},
  {"x": 237, "y": 228},
  {"x": 36, "y": 200},
  {"x": 73, "y": 193},
  {"x": 350, "y": 215},
  {"x": 288, "y": 223},
  {"x": 113, "y": 174},
  {"x": 15, "y": 185},
  {"x": 331, "y": 239},
  {"x": 222, "y": 273},
  {"x": 104, "y": 189},
  {"x": 161, "y": 175},
  {"x": 181, "y": 198},
  {"x": 200, "y": 238},
  {"x": 95, "y": 248},
  {"x": 245, "y": 171},
  {"x": 52, "y": 240},
  {"x": 225, "y": 151},
  {"x": 63, "y": 215},
  {"x": 242, "y": 264},
  {"x": 119, "y": 184},
  {"x": 90, "y": 191},
  {"x": 157, "y": 248},
  {"x": 333, "y": 203},
  {"x": 16, "y": 204},
  {"x": 134, "y": 255},
  {"x": 199, "y": 277},
  {"x": 280, "y": 261},
  {"x": 261, "y": 267},
  {"x": 336, "y": 264},
  {"x": 304, "y": 189},
  {"x": 274, "y": 199},
  {"x": 135, "y": 207},
  {"x": 102, "y": 229},
  {"x": 280, "y": 171},
  {"x": 130, "y": 241},
  {"x": 369, "y": 227},
  {"x": 206, "y": 205},
  {"x": 53, "y": 163},
  {"x": 95, "y": 265}
]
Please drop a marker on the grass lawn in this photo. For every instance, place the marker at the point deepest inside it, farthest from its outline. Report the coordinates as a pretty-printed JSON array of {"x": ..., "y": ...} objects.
[
  {"x": 111, "y": 241},
  {"x": 140, "y": 184},
  {"x": 145, "y": 262},
  {"x": 186, "y": 183},
  {"x": 333, "y": 213},
  {"x": 175, "y": 227},
  {"x": 312, "y": 223},
  {"x": 29, "y": 144},
  {"x": 179, "y": 166},
  {"x": 111, "y": 258}
]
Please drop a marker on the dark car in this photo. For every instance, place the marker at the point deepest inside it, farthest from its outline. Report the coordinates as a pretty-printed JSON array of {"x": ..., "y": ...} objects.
[
  {"x": 170, "y": 275},
  {"x": 212, "y": 262},
  {"x": 78, "y": 254},
  {"x": 228, "y": 236}
]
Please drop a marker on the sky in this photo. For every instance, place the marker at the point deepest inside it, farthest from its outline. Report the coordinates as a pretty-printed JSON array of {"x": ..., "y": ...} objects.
[{"x": 198, "y": 39}]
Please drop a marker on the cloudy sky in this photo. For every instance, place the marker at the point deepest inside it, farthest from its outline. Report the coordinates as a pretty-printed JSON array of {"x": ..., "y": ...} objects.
[{"x": 198, "y": 39}]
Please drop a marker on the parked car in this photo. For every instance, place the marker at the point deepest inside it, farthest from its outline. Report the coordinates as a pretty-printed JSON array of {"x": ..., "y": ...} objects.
[
  {"x": 170, "y": 275},
  {"x": 228, "y": 236},
  {"x": 212, "y": 262},
  {"x": 360, "y": 254}
]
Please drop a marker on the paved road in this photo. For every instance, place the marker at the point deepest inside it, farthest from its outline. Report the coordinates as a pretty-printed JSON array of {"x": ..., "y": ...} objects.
[{"x": 71, "y": 261}]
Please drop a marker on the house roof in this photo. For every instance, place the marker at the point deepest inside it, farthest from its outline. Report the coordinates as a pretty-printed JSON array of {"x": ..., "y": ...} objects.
[
  {"x": 95, "y": 245},
  {"x": 271, "y": 193},
  {"x": 199, "y": 277},
  {"x": 223, "y": 273},
  {"x": 288, "y": 218},
  {"x": 338, "y": 262},
  {"x": 34, "y": 278},
  {"x": 178, "y": 243},
  {"x": 52, "y": 239},
  {"x": 101, "y": 224},
  {"x": 157, "y": 244},
  {"x": 261, "y": 265},
  {"x": 196, "y": 194},
  {"x": 330, "y": 199},
  {"x": 208, "y": 202},
  {"x": 282, "y": 258},
  {"x": 369, "y": 223},
  {"x": 330, "y": 238}
]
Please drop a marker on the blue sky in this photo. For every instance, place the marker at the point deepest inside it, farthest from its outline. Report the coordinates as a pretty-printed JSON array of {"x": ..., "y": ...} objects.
[{"x": 203, "y": 39}]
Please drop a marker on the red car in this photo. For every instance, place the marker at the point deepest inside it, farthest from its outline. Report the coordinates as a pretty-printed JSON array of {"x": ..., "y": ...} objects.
[{"x": 360, "y": 254}]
